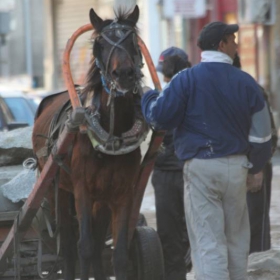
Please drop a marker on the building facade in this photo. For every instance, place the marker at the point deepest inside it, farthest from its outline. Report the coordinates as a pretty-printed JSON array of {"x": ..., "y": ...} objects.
[
  {"x": 63, "y": 18},
  {"x": 22, "y": 48},
  {"x": 258, "y": 39}
]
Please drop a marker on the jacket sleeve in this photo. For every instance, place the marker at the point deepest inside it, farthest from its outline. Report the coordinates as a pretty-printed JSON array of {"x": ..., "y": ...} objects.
[
  {"x": 166, "y": 110},
  {"x": 274, "y": 136},
  {"x": 260, "y": 140}
]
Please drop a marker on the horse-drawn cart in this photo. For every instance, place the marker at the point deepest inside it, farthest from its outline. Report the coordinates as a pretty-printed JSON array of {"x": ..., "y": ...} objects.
[{"x": 30, "y": 246}]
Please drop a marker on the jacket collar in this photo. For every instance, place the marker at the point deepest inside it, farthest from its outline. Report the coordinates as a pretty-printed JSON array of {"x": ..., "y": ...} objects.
[{"x": 215, "y": 56}]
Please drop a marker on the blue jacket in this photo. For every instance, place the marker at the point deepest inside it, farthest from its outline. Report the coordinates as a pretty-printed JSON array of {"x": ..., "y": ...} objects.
[
  {"x": 217, "y": 110},
  {"x": 166, "y": 159}
]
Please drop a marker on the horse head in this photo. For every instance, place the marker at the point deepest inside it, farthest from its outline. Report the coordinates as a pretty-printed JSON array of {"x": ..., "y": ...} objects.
[
  {"x": 116, "y": 124},
  {"x": 100, "y": 167},
  {"x": 117, "y": 54}
]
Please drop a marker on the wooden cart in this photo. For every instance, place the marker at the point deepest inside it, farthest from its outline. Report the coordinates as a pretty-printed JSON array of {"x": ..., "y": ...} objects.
[{"x": 27, "y": 249}]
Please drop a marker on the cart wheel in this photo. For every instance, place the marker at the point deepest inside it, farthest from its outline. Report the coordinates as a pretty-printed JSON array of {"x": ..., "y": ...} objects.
[{"x": 146, "y": 255}]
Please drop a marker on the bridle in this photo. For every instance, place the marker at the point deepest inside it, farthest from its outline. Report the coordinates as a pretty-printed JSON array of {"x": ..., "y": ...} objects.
[
  {"x": 122, "y": 32},
  {"x": 102, "y": 140}
]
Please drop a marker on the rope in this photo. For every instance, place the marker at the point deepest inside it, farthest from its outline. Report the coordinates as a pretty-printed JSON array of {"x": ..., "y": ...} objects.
[{"x": 30, "y": 163}]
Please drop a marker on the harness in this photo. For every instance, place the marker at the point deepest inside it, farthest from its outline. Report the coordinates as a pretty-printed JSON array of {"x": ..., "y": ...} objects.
[
  {"x": 106, "y": 142},
  {"x": 103, "y": 141}
]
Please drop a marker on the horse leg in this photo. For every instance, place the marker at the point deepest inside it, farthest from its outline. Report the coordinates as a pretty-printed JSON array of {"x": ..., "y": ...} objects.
[
  {"x": 100, "y": 226},
  {"x": 120, "y": 224},
  {"x": 85, "y": 244},
  {"x": 67, "y": 235}
]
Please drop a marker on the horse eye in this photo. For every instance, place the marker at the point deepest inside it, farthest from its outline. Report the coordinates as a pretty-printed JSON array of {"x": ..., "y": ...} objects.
[{"x": 100, "y": 45}]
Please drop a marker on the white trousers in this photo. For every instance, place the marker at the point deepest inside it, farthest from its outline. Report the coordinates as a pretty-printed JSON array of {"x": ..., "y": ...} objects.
[{"x": 217, "y": 217}]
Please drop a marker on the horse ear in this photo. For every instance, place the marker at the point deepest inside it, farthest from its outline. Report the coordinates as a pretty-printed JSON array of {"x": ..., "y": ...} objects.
[
  {"x": 134, "y": 16},
  {"x": 95, "y": 20}
]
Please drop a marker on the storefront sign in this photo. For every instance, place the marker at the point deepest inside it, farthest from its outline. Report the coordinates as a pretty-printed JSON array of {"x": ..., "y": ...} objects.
[{"x": 184, "y": 8}]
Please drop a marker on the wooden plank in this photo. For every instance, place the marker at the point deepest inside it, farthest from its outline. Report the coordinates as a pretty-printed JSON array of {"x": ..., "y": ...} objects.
[
  {"x": 29, "y": 235},
  {"x": 8, "y": 216}
]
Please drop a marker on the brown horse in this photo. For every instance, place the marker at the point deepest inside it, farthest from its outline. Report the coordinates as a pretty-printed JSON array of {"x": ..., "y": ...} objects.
[{"x": 101, "y": 166}]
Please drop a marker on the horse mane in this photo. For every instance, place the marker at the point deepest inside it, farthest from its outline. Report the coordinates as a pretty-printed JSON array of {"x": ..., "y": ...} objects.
[
  {"x": 93, "y": 78},
  {"x": 122, "y": 18}
]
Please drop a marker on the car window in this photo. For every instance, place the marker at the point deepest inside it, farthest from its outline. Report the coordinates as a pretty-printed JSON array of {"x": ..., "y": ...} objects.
[
  {"x": 6, "y": 111},
  {"x": 20, "y": 109},
  {"x": 32, "y": 104}
]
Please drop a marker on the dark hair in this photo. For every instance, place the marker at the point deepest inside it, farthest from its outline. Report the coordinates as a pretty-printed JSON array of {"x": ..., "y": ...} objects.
[
  {"x": 216, "y": 46},
  {"x": 173, "y": 64},
  {"x": 236, "y": 61}
]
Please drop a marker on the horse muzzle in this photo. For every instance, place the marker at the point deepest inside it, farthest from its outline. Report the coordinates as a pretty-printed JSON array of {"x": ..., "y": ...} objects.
[{"x": 125, "y": 79}]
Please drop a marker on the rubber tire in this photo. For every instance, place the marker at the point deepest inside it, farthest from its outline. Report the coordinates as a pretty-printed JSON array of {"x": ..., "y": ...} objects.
[{"x": 146, "y": 255}]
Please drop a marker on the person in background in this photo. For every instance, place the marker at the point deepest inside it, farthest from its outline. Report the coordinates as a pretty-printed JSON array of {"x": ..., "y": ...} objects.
[
  {"x": 168, "y": 183},
  {"x": 259, "y": 191},
  {"x": 222, "y": 132}
]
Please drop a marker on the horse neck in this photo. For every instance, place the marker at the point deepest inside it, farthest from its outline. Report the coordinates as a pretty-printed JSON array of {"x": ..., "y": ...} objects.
[{"x": 123, "y": 116}]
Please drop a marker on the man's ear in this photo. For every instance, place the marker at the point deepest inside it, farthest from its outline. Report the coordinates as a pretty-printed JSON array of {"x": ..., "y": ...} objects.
[{"x": 221, "y": 46}]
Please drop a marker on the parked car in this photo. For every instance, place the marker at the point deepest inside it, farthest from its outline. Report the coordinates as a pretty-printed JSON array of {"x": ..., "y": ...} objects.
[
  {"x": 7, "y": 120},
  {"x": 22, "y": 108}
]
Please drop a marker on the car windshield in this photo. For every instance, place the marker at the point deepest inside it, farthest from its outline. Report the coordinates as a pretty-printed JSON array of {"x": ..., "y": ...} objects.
[
  {"x": 21, "y": 109},
  {"x": 33, "y": 105}
]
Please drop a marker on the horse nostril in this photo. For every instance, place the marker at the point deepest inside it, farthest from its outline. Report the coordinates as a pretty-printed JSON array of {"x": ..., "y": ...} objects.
[{"x": 126, "y": 72}]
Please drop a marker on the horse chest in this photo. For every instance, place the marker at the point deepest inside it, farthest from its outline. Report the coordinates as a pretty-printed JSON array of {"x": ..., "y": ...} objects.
[{"x": 111, "y": 176}]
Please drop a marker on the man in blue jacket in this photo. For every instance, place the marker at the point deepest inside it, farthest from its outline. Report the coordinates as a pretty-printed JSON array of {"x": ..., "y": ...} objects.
[{"x": 222, "y": 132}]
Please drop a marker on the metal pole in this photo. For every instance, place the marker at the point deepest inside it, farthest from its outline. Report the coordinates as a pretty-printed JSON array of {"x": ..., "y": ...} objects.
[
  {"x": 28, "y": 43},
  {"x": 129, "y": 4},
  {"x": 50, "y": 79},
  {"x": 1, "y": 62}
]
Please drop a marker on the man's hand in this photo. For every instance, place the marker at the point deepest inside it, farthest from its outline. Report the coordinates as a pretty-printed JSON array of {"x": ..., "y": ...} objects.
[{"x": 254, "y": 182}]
